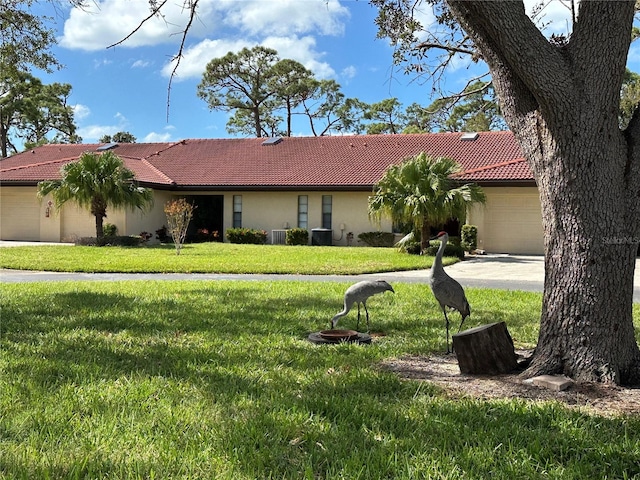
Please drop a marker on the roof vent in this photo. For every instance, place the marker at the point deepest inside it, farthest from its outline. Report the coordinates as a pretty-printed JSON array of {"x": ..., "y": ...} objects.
[
  {"x": 469, "y": 136},
  {"x": 271, "y": 141},
  {"x": 106, "y": 146}
]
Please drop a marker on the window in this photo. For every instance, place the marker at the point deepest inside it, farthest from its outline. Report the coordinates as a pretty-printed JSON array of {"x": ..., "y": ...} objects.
[
  {"x": 237, "y": 211},
  {"x": 303, "y": 211},
  {"x": 326, "y": 211}
]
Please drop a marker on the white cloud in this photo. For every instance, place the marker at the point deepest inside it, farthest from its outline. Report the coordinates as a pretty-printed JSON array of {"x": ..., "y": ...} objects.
[
  {"x": 91, "y": 133},
  {"x": 104, "y": 22},
  {"x": 302, "y": 50},
  {"x": 97, "y": 63},
  {"x": 555, "y": 17},
  {"x": 80, "y": 111},
  {"x": 140, "y": 64},
  {"x": 196, "y": 57},
  {"x": 99, "y": 24},
  {"x": 154, "y": 137},
  {"x": 349, "y": 72},
  {"x": 285, "y": 17}
]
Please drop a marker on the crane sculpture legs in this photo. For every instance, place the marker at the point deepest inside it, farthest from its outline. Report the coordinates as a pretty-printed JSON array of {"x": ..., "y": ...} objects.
[
  {"x": 364, "y": 304},
  {"x": 444, "y": 310}
]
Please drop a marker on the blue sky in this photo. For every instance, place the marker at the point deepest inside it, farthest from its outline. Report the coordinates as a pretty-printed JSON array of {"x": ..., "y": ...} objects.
[{"x": 125, "y": 88}]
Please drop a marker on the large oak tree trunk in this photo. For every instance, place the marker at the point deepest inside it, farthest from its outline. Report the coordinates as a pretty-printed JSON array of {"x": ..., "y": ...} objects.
[{"x": 561, "y": 102}]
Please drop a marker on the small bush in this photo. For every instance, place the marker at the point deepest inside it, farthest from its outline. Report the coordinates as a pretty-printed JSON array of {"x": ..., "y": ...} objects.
[
  {"x": 297, "y": 236},
  {"x": 162, "y": 234},
  {"x": 145, "y": 236},
  {"x": 377, "y": 239},
  {"x": 205, "y": 235},
  {"x": 452, "y": 249},
  {"x": 412, "y": 248},
  {"x": 469, "y": 240},
  {"x": 110, "y": 241},
  {"x": 246, "y": 235},
  {"x": 109, "y": 230}
]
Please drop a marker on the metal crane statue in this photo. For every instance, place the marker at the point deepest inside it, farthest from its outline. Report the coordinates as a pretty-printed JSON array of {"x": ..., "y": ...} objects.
[
  {"x": 359, "y": 293},
  {"x": 447, "y": 291}
]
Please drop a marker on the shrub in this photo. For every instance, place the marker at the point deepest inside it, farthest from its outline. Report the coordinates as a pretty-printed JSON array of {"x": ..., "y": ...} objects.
[
  {"x": 246, "y": 235},
  {"x": 205, "y": 235},
  {"x": 109, "y": 230},
  {"x": 145, "y": 236},
  {"x": 469, "y": 241},
  {"x": 162, "y": 234},
  {"x": 452, "y": 249},
  {"x": 111, "y": 241},
  {"x": 297, "y": 236},
  {"x": 377, "y": 239}
]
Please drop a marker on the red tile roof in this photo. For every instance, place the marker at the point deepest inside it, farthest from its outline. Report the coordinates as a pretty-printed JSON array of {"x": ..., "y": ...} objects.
[{"x": 307, "y": 162}]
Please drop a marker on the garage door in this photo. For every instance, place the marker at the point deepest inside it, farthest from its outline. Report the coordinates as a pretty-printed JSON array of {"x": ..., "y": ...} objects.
[
  {"x": 512, "y": 222},
  {"x": 19, "y": 214}
]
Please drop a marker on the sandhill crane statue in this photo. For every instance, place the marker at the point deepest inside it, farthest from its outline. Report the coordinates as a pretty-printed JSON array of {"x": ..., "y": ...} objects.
[
  {"x": 447, "y": 291},
  {"x": 359, "y": 293}
]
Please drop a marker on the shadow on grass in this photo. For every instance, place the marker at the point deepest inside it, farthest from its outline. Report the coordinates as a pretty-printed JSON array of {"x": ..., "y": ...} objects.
[{"x": 270, "y": 404}]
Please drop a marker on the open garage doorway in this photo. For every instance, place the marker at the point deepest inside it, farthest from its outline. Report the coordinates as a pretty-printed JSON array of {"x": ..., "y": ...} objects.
[{"x": 208, "y": 219}]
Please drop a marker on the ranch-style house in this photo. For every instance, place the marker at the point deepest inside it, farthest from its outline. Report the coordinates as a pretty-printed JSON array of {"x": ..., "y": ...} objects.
[{"x": 318, "y": 183}]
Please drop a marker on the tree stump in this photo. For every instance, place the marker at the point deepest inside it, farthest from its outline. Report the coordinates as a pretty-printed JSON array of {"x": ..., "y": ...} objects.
[{"x": 487, "y": 349}]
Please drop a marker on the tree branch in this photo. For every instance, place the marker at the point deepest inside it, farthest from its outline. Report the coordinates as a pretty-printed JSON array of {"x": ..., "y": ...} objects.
[
  {"x": 155, "y": 10},
  {"x": 448, "y": 48}
]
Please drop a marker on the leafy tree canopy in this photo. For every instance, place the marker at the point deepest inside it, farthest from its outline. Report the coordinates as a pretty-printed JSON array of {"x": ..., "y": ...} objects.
[{"x": 31, "y": 111}]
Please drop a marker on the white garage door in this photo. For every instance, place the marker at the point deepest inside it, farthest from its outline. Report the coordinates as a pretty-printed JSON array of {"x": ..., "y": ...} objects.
[
  {"x": 19, "y": 214},
  {"x": 512, "y": 221}
]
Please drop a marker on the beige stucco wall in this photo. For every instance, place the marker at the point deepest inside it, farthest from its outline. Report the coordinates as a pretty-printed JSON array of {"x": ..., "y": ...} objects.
[
  {"x": 273, "y": 210},
  {"x": 510, "y": 221},
  {"x": 24, "y": 217}
]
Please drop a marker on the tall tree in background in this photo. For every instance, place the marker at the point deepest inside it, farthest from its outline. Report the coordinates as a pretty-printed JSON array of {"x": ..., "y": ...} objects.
[
  {"x": 240, "y": 81},
  {"x": 474, "y": 110},
  {"x": 384, "y": 116},
  {"x": 97, "y": 182},
  {"x": 31, "y": 110},
  {"x": 119, "y": 137},
  {"x": 255, "y": 84},
  {"x": 292, "y": 84},
  {"x": 561, "y": 98},
  {"x": 328, "y": 109},
  {"x": 25, "y": 38},
  {"x": 629, "y": 97}
]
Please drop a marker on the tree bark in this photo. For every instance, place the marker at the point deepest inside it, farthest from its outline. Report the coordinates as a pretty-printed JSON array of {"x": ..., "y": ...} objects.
[
  {"x": 562, "y": 102},
  {"x": 487, "y": 349}
]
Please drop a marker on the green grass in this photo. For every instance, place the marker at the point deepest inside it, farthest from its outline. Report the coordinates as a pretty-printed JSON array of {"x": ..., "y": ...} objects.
[
  {"x": 216, "y": 380},
  {"x": 213, "y": 258}
]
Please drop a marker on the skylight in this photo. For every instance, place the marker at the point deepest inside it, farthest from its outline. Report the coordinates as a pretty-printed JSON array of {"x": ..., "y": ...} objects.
[
  {"x": 106, "y": 146},
  {"x": 469, "y": 136},
  {"x": 272, "y": 141}
]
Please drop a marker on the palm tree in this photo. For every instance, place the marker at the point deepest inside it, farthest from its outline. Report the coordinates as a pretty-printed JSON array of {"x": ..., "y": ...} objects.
[
  {"x": 95, "y": 182},
  {"x": 421, "y": 190}
]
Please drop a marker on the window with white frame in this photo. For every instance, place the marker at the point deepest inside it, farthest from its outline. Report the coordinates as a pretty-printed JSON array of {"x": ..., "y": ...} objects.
[
  {"x": 237, "y": 211},
  {"x": 327, "y": 201},
  {"x": 303, "y": 211}
]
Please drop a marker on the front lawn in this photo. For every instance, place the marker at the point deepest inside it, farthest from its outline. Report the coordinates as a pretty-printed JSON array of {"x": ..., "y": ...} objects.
[
  {"x": 216, "y": 380},
  {"x": 213, "y": 258}
]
